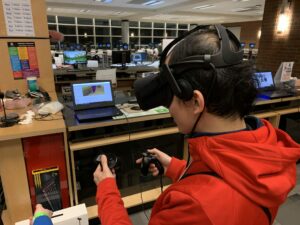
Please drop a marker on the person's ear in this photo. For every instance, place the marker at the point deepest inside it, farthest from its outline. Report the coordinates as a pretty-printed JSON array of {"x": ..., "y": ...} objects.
[{"x": 199, "y": 103}]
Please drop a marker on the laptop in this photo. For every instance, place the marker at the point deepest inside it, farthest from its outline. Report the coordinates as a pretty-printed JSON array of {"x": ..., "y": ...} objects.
[
  {"x": 94, "y": 100},
  {"x": 266, "y": 87}
]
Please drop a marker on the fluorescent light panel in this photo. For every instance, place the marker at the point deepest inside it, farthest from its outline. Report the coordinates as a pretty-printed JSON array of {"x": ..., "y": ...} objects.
[
  {"x": 104, "y": 1},
  {"x": 153, "y": 2},
  {"x": 204, "y": 7}
]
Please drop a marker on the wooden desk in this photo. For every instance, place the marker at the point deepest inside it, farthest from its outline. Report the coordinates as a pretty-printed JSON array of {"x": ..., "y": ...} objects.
[
  {"x": 13, "y": 168},
  {"x": 150, "y": 195}
]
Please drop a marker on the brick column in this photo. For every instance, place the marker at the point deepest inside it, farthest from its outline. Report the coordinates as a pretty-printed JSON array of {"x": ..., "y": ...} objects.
[{"x": 274, "y": 47}]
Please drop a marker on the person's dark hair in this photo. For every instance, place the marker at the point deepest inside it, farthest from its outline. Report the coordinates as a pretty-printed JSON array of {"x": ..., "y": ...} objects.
[{"x": 234, "y": 91}]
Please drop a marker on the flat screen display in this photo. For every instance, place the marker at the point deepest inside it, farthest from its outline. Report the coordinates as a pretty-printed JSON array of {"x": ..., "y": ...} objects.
[
  {"x": 264, "y": 79},
  {"x": 75, "y": 57},
  {"x": 92, "y": 92}
]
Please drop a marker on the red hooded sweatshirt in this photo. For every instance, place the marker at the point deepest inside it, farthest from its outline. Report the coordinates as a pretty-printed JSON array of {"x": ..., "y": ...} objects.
[{"x": 256, "y": 169}]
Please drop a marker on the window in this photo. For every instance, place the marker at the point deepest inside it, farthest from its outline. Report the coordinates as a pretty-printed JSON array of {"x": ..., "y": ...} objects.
[
  {"x": 159, "y": 25},
  {"x": 69, "y": 40},
  {"x": 171, "y": 33},
  {"x": 66, "y": 20},
  {"x": 116, "y": 31},
  {"x": 146, "y": 32},
  {"x": 181, "y": 32},
  {"x": 85, "y": 30},
  {"x": 116, "y": 40},
  {"x": 51, "y": 19},
  {"x": 183, "y": 26},
  {"x": 102, "y": 40},
  {"x": 146, "y": 24},
  {"x": 67, "y": 29},
  {"x": 101, "y": 22},
  {"x": 86, "y": 40},
  {"x": 116, "y": 23},
  {"x": 102, "y": 31},
  {"x": 171, "y": 25},
  {"x": 157, "y": 40},
  {"x": 146, "y": 41},
  {"x": 158, "y": 33},
  {"x": 133, "y": 32},
  {"x": 52, "y": 27},
  {"x": 133, "y": 24},
  {"x": 85, "y": 21}
]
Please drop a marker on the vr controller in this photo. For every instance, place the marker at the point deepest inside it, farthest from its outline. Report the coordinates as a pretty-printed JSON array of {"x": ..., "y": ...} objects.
[
  {"x": 147, "y": 159},
  {"x": 112, "y": 160}
]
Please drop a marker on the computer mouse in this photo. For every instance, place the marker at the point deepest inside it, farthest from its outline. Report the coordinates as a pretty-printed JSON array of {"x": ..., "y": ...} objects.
[{"x": 135, "y": 108}]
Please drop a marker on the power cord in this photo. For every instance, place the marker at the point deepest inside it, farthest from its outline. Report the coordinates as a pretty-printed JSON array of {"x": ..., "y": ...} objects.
[{"x": 140, "y": 186}]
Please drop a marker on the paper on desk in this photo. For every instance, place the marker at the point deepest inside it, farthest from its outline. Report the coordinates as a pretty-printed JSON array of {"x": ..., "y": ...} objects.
[{"x": 130, "y": 114}]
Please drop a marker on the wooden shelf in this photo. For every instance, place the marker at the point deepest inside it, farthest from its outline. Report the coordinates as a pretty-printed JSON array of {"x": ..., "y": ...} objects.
[
  {"x": 121, "y": 138},
  {"x": 287, "y": 111},
  {"x": 130, "y": 201},
  {"x": 98, "y": 142}
]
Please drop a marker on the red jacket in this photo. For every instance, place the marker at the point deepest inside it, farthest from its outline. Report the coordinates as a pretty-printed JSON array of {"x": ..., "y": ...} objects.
[{"x": 257, "y": 169}]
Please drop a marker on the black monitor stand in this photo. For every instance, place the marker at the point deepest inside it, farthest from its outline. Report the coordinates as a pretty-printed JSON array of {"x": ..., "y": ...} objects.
[
  {"x": 124, "y": 61},
  {"x": 75, "y": 66}
]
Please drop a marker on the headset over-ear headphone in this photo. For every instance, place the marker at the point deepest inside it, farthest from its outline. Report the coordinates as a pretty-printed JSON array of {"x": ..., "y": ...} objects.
[
  {"x": 225, "y": 57},
  {"x": 158, "y": 89}
]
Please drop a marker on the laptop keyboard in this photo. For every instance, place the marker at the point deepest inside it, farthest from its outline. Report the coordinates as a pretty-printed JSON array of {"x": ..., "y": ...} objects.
[{"x": 100, "y": 113}]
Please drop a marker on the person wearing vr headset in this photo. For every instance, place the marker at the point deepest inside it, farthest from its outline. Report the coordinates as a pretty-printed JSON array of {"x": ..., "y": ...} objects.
[{"x": 241, "y": 168}]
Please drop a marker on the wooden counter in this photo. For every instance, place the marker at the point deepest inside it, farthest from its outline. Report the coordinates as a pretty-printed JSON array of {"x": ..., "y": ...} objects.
[{"x": 12, "y": 163}]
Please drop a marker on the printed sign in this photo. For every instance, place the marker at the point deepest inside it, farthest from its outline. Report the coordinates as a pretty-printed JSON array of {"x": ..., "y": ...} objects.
[
  {"x": 18, "y": 17},
  {"x": 23, "y": 59}
]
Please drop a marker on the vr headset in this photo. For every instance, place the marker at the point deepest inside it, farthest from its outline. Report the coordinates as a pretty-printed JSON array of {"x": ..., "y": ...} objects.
[{"x": 158, "y": 89}]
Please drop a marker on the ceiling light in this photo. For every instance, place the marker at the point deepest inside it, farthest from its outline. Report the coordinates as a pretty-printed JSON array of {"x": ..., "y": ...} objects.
[
  {"x": 84, "y": 10},
  {"x": 204, "y": 7},
  {"x": 153, "y": 2},
  {"x": 104, "y": 1},
  {"x": 49, "y": 9},
  {"x": 240, "y": 0}
]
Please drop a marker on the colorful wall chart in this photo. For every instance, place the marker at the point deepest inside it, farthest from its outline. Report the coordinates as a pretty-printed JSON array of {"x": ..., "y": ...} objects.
[{"x": 23, "y": 59}]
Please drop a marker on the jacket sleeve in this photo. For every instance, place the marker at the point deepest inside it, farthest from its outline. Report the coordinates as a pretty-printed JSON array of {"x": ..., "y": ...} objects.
[
  {"x": 175, "y": 169},
  {"x": 179, "y": 208},
  {"x": 42, "y": 220},
  {"x": 111, "y": 210}
]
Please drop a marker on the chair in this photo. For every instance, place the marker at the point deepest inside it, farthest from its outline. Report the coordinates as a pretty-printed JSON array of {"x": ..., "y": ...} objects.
[{"x": 108, "y": 74}]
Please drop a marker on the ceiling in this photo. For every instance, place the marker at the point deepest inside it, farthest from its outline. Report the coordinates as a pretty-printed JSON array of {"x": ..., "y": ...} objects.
[{"x": 179, "y": 11}]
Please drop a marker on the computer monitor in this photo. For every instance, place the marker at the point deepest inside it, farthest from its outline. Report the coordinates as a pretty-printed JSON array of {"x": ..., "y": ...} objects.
[
  {"x": 108, "y": 45},
  {"x": 75, "y": 57},
  {"x": 125, "y": 46},
  {"x": 243, "y": 44},
  {"x": 251, "y": 45},
  {"x": 137, "y": 58},
  {"x": 121, "y": 57}
]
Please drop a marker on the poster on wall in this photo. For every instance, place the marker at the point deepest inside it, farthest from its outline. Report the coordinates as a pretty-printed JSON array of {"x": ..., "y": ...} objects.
[
  {"x": 23, "y": 59},
  {"x": 18, "y": 17}
]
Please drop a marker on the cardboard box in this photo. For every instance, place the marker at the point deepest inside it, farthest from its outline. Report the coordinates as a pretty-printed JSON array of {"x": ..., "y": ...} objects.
[{"x": 76, "y": 215}]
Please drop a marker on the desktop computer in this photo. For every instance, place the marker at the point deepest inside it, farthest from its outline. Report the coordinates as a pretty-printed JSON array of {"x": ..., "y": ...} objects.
[{"x": 75, "y": 57}]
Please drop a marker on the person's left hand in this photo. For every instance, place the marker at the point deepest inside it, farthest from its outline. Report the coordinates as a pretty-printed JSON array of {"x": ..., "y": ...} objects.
[
  {"x": 40, "y": 209},
  {"x": 102, "y": 171}
]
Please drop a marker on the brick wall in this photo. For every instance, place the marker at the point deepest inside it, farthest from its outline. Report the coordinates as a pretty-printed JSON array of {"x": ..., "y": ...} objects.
[
  {"x": 274, "y": 47},
  {"x": 249, "y": 31}
]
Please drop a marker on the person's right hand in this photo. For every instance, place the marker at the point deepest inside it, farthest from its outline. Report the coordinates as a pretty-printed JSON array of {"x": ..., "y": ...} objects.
[{"x": 162, "y": 157}]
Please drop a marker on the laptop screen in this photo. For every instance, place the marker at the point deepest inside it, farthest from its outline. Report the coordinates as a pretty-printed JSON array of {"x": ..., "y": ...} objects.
[
  {"x": 92, "y": 94},
  {"x": 265, "y": 80}
]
